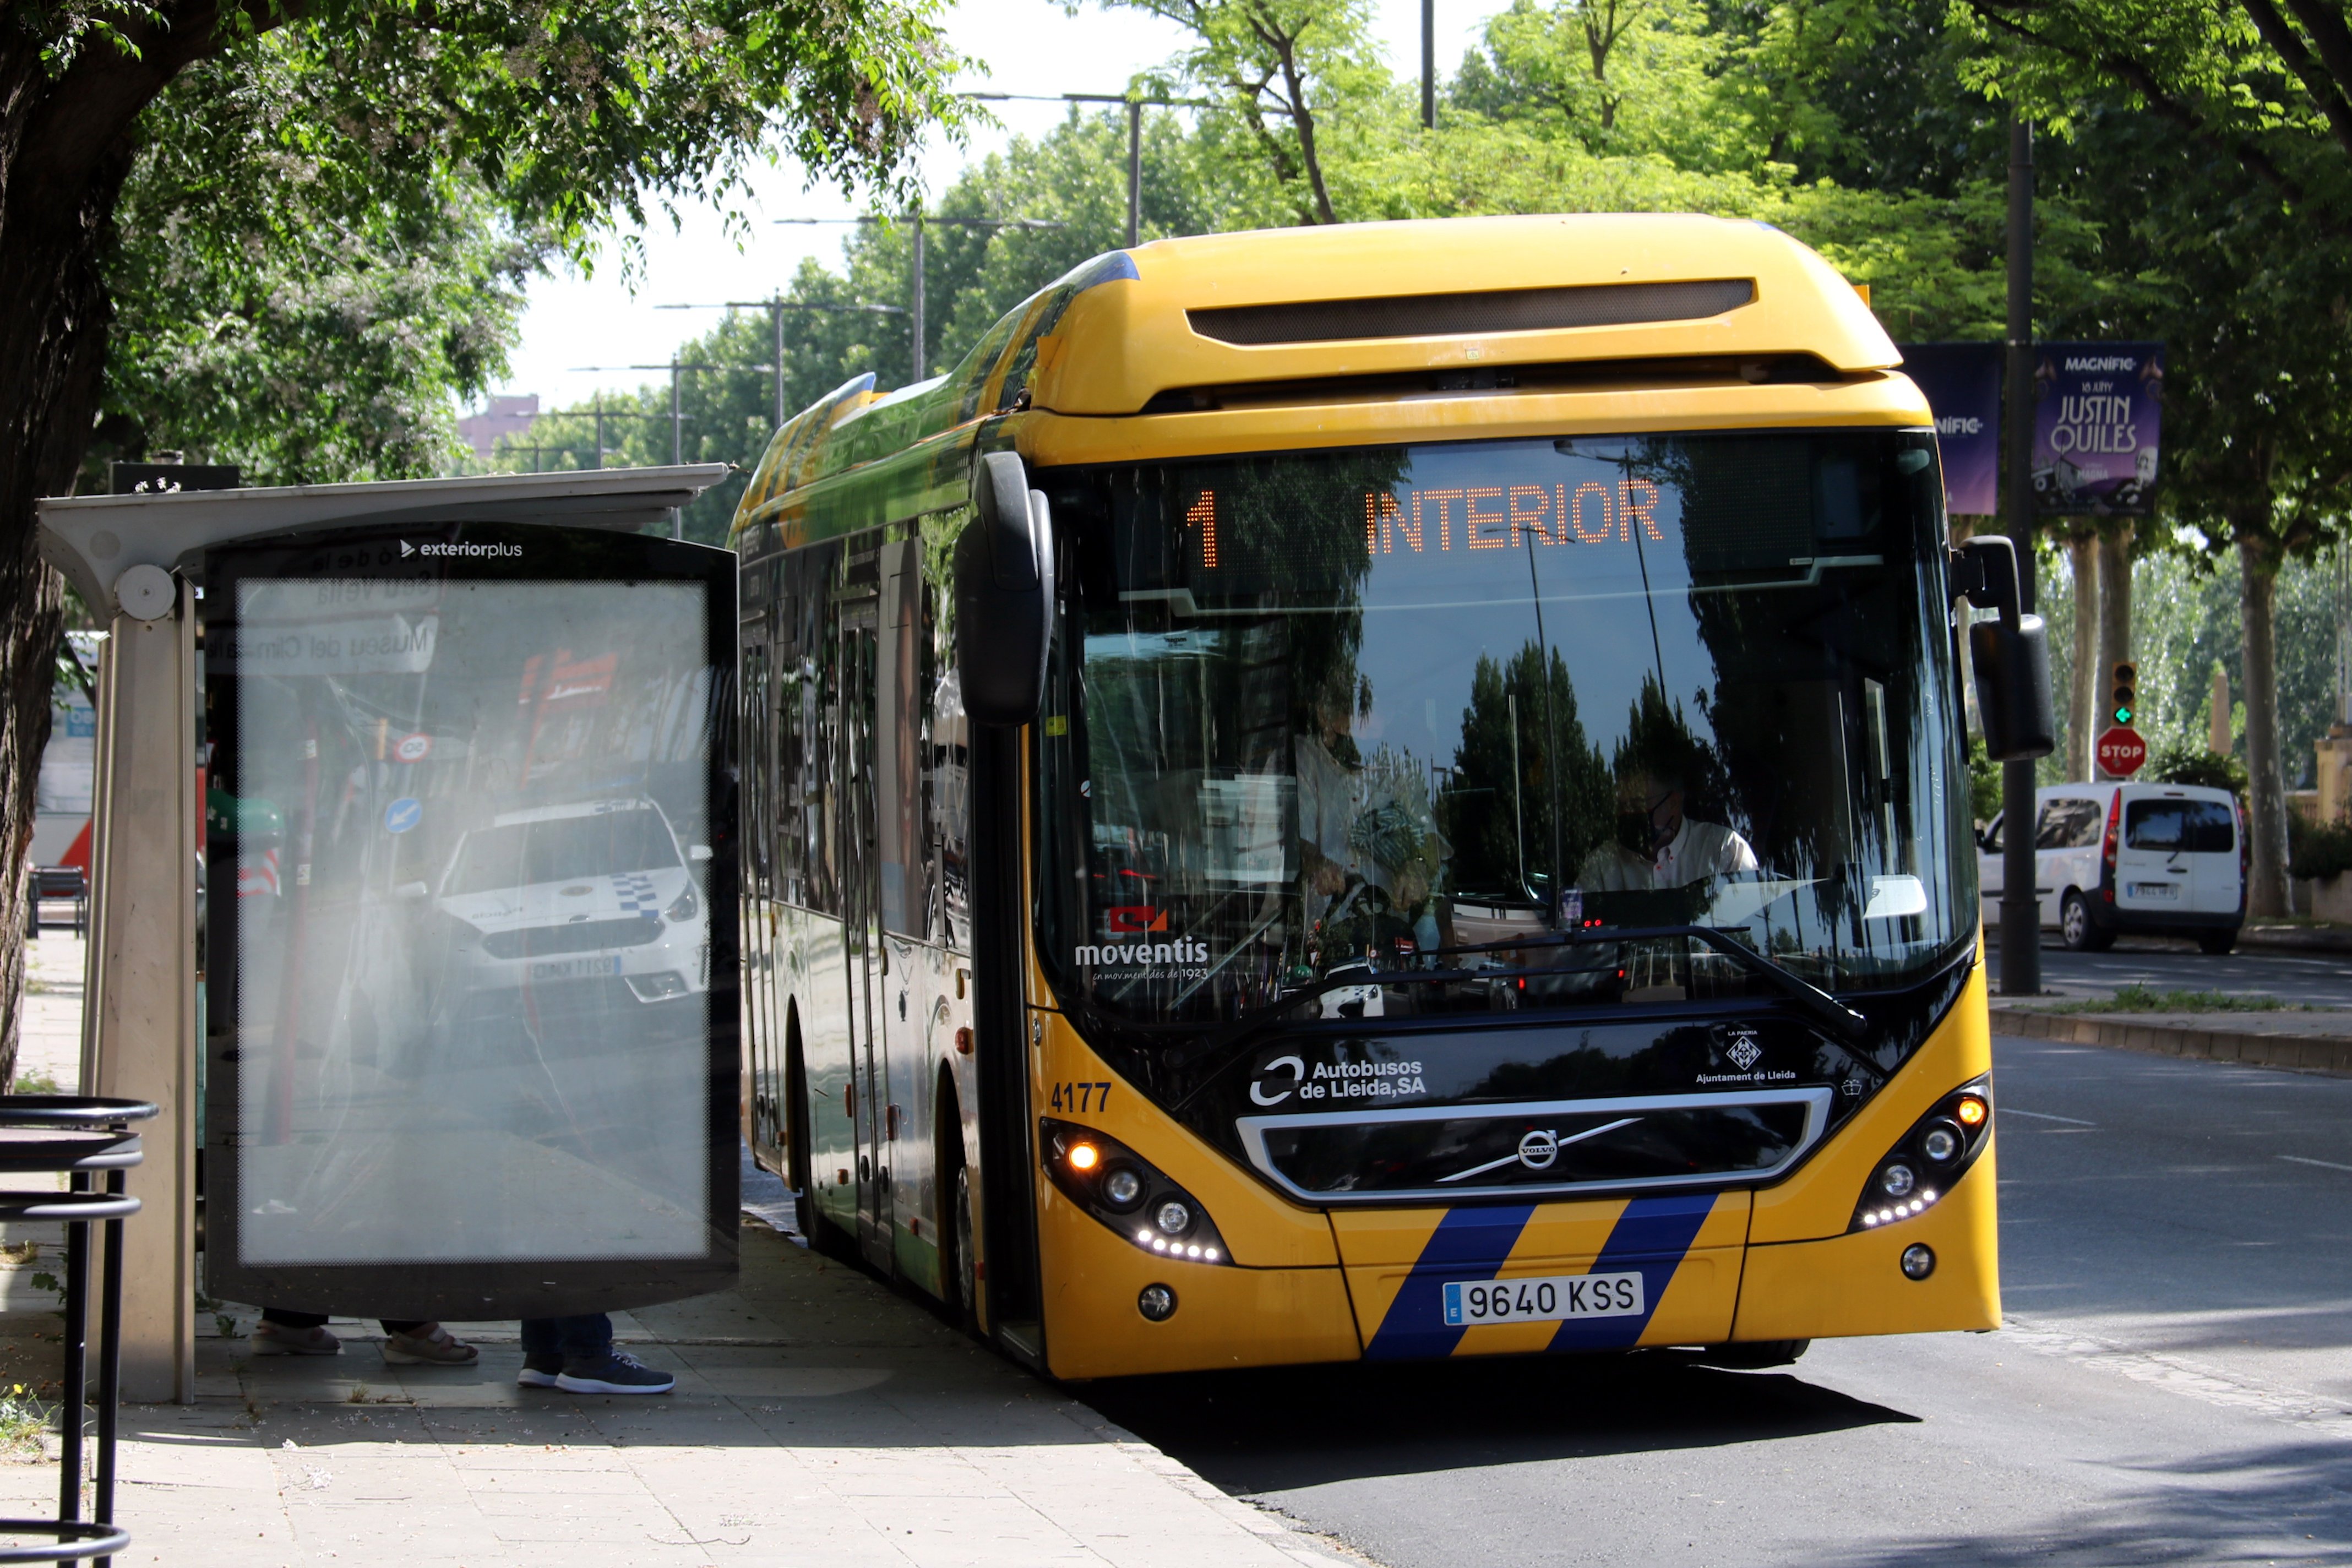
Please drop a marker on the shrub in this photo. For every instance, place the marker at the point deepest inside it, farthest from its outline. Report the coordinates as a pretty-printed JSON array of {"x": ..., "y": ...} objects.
[
  {"x": 2187, "y": 765},
  {"x": 2321, "y": 850}
]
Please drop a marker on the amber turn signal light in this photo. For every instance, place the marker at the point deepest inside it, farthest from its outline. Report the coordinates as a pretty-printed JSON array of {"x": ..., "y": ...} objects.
[
  {"x": 1970, "y": 1111},
  {"x": 1083, "y": 1156}
]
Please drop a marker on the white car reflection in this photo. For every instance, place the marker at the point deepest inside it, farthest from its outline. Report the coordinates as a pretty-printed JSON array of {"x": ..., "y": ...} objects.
[{"x": 586, "y": 902}]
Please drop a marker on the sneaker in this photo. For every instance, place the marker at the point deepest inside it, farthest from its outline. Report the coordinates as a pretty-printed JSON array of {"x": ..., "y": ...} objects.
[
  {"x": 539, "y": 1371},
  {"x": 431, "y": 1346},
  {"x": 615, "y": 1372},
  {"x": 277, "y": 1339}
]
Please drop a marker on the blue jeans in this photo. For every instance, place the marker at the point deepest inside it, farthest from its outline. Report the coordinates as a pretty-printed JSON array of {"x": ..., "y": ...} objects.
[{"x": 588, "y": 1337}]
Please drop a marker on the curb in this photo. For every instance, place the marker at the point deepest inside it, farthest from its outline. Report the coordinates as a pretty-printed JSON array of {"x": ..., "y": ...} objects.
[{"x": 2300, "y": 1053}]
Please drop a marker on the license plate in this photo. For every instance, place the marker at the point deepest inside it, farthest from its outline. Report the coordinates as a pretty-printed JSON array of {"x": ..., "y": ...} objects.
[
  {"x": 2156, "y": 889},
  {"x": 1552, "y": 1299},
  {"x": 574, "y": 968}
]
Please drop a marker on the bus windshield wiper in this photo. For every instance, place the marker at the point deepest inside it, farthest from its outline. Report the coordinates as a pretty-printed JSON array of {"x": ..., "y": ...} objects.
[
  {"x": 1833, "y": 1014},
  {"x": 1817, "y": 1003}
]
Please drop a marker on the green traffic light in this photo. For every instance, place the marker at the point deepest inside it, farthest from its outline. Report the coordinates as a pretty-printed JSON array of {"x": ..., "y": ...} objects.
[{"x": 2123, "y": 715}]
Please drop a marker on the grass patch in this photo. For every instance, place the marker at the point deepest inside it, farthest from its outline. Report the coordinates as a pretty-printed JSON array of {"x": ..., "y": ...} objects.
[
  {"x": 39, "y": 1081},
  {"x": 23, "y": 1420},
  {"x": 2140, "y": 999}
]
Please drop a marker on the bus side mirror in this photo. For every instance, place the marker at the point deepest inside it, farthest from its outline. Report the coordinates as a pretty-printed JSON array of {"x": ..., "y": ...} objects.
[
  {"x": 1005, "y": 595},
  {"x": 2011, "y": 655}
]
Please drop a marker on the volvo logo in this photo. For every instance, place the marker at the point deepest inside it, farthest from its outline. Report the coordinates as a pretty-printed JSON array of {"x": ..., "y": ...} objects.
[{"x": 1539, "y": 1149}]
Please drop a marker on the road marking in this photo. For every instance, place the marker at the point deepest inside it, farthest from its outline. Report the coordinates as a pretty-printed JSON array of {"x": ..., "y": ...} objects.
[
  {"x": 2046, "y": 1116},
  {"x": 2322, "y": 1164}
]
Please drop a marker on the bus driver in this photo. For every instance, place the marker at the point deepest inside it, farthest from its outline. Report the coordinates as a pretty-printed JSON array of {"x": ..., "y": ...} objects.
[{"x": 1656, "y": 845}]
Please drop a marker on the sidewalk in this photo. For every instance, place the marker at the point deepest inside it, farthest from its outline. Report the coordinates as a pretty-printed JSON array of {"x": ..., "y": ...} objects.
[
  {"x": 2317, "y": 1041},
  {"x": 820, "y": 1419}
]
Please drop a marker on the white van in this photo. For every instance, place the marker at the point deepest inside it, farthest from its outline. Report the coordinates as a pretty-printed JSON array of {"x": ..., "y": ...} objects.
[{"x": 2155, "y": 858}]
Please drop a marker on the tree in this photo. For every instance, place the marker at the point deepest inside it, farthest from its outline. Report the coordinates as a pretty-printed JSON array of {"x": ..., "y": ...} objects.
[
  {"x": 1278, "y": 70},
  {"x": 562, "y": 113},
  {"x": 303, "y": 331}
]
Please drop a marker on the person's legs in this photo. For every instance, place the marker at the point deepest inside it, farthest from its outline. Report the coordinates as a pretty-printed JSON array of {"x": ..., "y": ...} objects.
[
  {"x": 592, "y": 1365},
  {"x": 425, "y": 1343},
  {"x": 542, "y": 1352},
  {"x": 283, "y": 1332}
]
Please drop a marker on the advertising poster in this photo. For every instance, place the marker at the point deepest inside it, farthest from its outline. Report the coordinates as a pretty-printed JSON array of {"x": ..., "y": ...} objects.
[
  {"x": 1962, "y": 382},
  {"x": 2094, "y": 428}
]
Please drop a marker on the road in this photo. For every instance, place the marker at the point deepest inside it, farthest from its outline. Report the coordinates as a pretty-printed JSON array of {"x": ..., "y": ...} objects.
[
  {"x": 2173, "y": 1387},
  {"x": 2317, "y": 979}
]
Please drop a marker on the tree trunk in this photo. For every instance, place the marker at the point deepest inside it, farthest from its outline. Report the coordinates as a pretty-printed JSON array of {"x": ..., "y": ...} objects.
[
  {"x": 2115, "y": 621},
  {"x": 66, "y": 146},
  {"x": 2083, "y": 688},
  {"x": 2266, "y": 890}
]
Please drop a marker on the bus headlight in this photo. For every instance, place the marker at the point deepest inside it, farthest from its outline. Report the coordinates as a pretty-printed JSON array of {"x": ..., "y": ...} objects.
[
  {"x": 1945, "y": 1143},
  {"x": 1122, "y": 1187},
  {"x": 1122, "y": 1191}
]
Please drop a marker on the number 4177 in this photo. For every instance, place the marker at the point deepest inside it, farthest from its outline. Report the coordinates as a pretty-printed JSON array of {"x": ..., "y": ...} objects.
[{"x": 1081, "y": 1097}]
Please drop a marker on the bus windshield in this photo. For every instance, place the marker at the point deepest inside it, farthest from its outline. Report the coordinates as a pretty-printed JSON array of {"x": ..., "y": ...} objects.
[{"x": 1417, "y": 715}]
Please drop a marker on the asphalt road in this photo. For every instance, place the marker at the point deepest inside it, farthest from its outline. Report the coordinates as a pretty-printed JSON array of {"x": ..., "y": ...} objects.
[
  {"x": 2319, "y": 979},
  {"x": 2173, "y": 1386}
]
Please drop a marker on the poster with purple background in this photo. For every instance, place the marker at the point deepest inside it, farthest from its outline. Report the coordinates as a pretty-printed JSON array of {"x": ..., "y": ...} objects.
[
  {"x": 2096, "y": 407},
  {"x": 1963, "y": 384}
]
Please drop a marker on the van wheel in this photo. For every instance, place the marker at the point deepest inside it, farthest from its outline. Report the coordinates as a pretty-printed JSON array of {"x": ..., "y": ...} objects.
[
  {"x": 2075, "y": 926},
  {"x": 2217, "y": 942}
]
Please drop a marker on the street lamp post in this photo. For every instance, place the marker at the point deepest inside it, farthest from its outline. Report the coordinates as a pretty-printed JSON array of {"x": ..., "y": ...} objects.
[{"x": 914, "y": 292}]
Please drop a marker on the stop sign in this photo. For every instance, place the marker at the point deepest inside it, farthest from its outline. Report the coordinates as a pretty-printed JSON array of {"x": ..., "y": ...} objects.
[{"x": 2121, "y": 751}]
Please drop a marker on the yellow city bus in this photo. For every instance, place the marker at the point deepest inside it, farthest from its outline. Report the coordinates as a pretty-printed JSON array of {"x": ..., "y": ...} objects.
[{"x": 1235, "y": 875}]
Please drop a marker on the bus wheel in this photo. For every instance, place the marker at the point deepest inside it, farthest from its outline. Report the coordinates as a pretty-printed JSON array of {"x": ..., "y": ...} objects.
[
  {"x": 824, "y": 1237},
  {"x": 1754, "y": 1355},
  {"x": 959, "y": 1281}
]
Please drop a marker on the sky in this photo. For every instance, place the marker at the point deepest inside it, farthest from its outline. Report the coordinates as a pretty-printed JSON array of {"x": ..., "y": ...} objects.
[{"x": 573, "y": 322}]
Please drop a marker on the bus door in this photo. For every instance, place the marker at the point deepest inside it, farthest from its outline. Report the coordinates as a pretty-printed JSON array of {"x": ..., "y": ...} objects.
[{"x": 861, "y": 933}]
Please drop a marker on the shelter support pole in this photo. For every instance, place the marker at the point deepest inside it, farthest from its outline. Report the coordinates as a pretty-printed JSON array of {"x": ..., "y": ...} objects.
[{"x": 139, "y": 1021}]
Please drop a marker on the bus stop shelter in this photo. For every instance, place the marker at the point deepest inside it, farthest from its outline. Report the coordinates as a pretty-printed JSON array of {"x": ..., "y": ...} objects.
[{"x": 138, "y": 560}]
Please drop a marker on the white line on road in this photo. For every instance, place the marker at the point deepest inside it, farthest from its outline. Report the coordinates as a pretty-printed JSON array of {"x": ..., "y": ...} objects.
[
  {"x": 2322, "y": 1164},
  {"x": 2046, "y": 1116}
]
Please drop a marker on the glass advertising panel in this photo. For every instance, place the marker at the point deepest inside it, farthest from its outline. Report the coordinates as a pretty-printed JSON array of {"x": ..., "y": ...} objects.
[{"x": 472, "y": 1015}]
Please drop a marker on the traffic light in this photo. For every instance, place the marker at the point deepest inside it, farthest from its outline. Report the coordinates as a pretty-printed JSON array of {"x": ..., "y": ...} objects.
[{"x": 2126, "y": 705}]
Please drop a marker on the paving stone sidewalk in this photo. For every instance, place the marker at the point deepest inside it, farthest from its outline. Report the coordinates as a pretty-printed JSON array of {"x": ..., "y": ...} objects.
[{"x": 820, "y": 1419}]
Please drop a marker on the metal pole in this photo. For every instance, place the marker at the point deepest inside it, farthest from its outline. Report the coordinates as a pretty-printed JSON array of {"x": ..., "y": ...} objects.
[
  {"x": 915, "y": 305},
  {"x": 776, "y": 323},
  {"x": 1134, "y": 173},
  {"x": 600, "y": 431},
  {"x": 677, "y": 448},
  {"x": 1429, "y": 65},
  {"x": 2021, "y": 905}
]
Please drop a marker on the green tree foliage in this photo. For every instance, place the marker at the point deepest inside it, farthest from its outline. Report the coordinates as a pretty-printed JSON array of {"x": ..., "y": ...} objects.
[
  {"x": 359, "y": 135},
  {"x": 303, "y": 328}
]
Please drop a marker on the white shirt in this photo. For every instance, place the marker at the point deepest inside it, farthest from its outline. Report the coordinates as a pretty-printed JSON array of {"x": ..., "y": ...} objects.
[{"x": 1698, "y": 850}]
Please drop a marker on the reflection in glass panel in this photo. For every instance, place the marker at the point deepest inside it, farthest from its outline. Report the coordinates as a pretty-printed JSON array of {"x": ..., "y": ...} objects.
[{"x": 473, "y": 958}]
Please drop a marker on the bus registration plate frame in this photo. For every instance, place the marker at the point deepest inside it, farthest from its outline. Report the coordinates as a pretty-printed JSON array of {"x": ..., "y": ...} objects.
[{"x": 1552, "y": 1297}]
